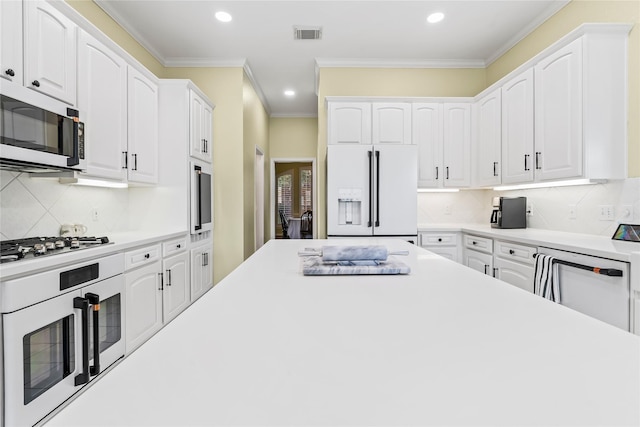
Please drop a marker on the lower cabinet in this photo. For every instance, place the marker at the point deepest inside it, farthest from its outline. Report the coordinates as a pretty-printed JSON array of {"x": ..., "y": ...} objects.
[
  {"x": 635, "y": 312},
  {"x": 157, "y": 289},
  {"x": 201, "y": 270},
  {"x": 443, "y": 244},
  {"x": 510, "y": 262}
]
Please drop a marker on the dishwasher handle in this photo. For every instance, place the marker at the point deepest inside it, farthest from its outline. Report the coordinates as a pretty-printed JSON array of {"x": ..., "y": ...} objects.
[{"x": 612, "y": 272}]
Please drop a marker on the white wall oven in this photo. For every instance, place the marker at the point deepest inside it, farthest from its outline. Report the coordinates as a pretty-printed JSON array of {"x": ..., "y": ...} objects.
[
  {"x": 201, "y": 197},
  {"x": 61, "y": 329},
  {"x": 38, "y": 133}
]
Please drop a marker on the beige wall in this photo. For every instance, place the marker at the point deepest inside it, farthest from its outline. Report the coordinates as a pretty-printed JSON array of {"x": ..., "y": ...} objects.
[
  {"x": 384, "y": 82},
  {"x": 255, "y": 134},
  {"x": 571, "y": 16}
]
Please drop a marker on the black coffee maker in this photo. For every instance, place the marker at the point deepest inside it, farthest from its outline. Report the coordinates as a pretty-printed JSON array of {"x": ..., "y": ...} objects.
[{"x": 509, "y": 212}]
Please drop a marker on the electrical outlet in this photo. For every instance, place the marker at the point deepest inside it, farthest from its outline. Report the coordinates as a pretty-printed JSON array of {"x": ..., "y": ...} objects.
[
  {"x": 626, "y": 213},
  {"x": 447, "y": 210},
  {"x": 573, "y": 214},
  {"x": 94, "y": 214},
  {"x": 606, "y": 213}
]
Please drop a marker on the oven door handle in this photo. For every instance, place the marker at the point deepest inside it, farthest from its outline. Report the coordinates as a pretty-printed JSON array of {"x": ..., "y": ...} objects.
[
  {"x": 83, "y": 305},
  {"x": 94, "y": 300}
]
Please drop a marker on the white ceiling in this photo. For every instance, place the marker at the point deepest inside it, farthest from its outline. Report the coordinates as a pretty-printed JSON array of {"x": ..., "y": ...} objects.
[{"x": 354, "y": 33}]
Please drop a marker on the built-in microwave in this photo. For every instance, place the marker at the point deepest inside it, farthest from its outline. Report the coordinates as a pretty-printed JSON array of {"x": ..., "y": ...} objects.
[
  {"x": 38, "y": 133},
  {"x": 201, "y": 197}
]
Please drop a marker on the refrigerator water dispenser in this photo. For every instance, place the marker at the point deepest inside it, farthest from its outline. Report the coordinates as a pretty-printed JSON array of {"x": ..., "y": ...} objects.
[{"x": 349, "y": 206}]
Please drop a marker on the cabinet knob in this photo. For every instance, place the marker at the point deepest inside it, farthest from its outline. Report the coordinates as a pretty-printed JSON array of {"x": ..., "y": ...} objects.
[
  {"x": 511, "y": 252},
  {"x": 474, "y": 243},
  {"x": 10, "y": 72},
  {"x": 439, "y": 239},
  {"x": 35, "y": 83},
  {"x": 178, "y": 246},
  {"x": 146, "y": 256}
]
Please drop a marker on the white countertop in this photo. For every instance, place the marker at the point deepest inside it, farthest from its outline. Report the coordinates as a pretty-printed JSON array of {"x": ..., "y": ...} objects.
[
  {"x": 443, "y": 345},
  {"x": 589, "y": 244},
  {"x": 118, "y": 242}
]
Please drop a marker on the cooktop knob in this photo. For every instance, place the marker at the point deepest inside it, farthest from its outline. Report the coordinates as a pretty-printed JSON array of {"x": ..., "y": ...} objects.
[{"x": 39, "y": 249}]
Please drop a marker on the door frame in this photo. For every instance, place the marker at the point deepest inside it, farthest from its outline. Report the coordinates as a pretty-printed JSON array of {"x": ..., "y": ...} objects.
[
  {"x": 258, "y": 203},
  {"x": 314, "y": 199}
]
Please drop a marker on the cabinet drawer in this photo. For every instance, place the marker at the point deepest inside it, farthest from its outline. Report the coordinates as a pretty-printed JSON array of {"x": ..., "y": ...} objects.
[
  {"x": 449, "y": 252},
  {"x": 141, "y": 256},
  {"x": 515, "y": 252},
  {"x": 476, "y": 243},
  {"x": 174, "y": 246},
  {"x": 438, "y": 239}
]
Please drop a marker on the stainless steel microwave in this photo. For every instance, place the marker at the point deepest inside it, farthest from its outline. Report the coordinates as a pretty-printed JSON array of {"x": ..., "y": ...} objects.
[
  {"x": 201, "y": 197},
  {"x": 38, "y": 133}
]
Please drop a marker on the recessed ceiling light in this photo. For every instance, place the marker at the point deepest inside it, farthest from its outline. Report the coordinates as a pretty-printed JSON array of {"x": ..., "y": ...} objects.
[
  {"x": 223, "y": 16},
  {"x": 435, "y": 17},
  {"x": 290, "y": 92}
]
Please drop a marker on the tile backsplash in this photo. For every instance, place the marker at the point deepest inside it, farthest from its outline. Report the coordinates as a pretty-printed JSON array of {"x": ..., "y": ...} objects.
[
  {"x": 550, "y": 206},
  {"x": 39, "y": 206}
]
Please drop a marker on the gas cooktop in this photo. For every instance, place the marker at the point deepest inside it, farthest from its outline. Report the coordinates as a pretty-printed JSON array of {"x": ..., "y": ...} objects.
[{"x": 31, "y": 247}]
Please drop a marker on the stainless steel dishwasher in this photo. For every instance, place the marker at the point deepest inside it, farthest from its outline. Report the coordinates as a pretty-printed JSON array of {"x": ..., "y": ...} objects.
[{"x": 601, "y": 296}]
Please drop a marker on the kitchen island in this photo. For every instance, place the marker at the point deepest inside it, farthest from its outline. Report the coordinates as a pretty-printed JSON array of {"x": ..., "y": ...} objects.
[{"x": 442, "y": 345}]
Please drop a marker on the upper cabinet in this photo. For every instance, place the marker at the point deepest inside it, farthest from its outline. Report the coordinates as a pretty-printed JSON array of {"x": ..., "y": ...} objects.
[
  {"x": 142, "y": 113},
  {"x": 442, "y": 132},
  {"x": 11, "y": 41},
  {"x": 201, "y": 115},
  {"x": 558, "y": 114},
  {"x": 349, "y": 123},
  {"x": 102, "y": 100},
  {"x": 49, "y": 51},
  {"x": 517, "y": 128},
  {"x": 487, "y": 139},
  {"x": 391, "y": 123}
]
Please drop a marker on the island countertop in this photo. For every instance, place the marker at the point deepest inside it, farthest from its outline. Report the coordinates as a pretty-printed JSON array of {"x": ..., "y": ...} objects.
[{"x": 443, "y": 345}]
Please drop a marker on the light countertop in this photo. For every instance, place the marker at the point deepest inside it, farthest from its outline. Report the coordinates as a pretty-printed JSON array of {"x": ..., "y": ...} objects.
[
  {"x": 443, "y": 345},
  {"x": 600, "y": 246},
  {"x": 118, "y": 242}
]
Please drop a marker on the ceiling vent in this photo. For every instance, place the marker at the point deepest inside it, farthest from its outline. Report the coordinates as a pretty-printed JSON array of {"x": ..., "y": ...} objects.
[{"x": 307, "y": 33}]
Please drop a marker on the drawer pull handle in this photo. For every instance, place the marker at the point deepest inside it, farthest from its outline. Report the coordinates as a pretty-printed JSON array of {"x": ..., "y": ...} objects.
[
  {"x": 35, "y": 83},
  {"x": 511, "y": 252},
  {"x": 147, "y": 256},
  {"x": 10, "y": 72},
  {"x": 178, "y": 246}
]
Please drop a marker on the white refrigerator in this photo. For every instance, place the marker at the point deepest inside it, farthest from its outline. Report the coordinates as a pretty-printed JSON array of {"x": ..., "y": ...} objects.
[{"x": 372, "y": 191}]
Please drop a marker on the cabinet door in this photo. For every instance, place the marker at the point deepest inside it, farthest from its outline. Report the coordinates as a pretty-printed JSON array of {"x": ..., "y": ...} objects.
[
  {"x": 456, "y": 135},
  {"x": 11, "y": 41},
  {"x": 207, "y": 134},
  {"x": 195, "y": 125},
  {"x": 349, "y": 123},
  {"x": 449, "y": 252},
  {"x": 517, "y": 129},
  {"x": 517, "y": 274},
  {"x": 487, "y": 144},
  {"x": 143, "y": 304},
  {"x": 558, "y": 114},
  {"x": 391, "y": 123},
  {"x": 635, "y": 312},
  {"x": 478, "y": 261},
  {"x": 427, "y": 134},
  {"x": 176, "y": 289},
  {"x": 143, "y": 128},
  {"x": 49, "y": 51},
  {"x": 102, "y": 101},
  {"x": 201, "y": 271}
]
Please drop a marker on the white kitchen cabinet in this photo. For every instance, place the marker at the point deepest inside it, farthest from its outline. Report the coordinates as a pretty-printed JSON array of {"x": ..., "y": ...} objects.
[
  {"x": 444, "y": 244},
  {"x": 49, "y": 51},
  {"x": 201, "y": 114},
  {"x": 635, "y": 312},
  {"x": 11, "y": 61},
  {"x": 176, "y": 285},
  {"x": 517, "y": 128},
  {"x": 349, "y": 123},
  {"x": 442, "y": 132},
  {"x": 201, "y": 270},
  {"x": 142, "y": 140},
  {"x": 487, "y": 139},
  {"x": 102, "y": 101},
  {"x": 391, "y": 123},
  {"x": 558, "y": 114},
  {"x": 514, "y": 273},
  {"x": 143, "y": 300},
  {"x": 478, "y": 261}
]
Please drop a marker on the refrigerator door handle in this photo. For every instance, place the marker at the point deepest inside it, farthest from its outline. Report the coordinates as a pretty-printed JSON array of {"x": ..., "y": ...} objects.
[
  {"x": 377, "y": 188},
  {"x": 370, "y": 154}
]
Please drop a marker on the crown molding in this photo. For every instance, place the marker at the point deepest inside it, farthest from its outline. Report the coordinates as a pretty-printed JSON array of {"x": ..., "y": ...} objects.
[
  {"x": 408, "y": 63},
  {"x": 204, "y": 62}
]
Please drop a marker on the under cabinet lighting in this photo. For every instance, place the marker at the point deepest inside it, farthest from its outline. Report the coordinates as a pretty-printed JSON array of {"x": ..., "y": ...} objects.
[
  {"x": 90, "y": 182},
  {"x": 223, "y": 16},
  {"x": 435, "y": 17},
  {"x": 550, "y": 184},
  {"x": 438, "y": 190}
]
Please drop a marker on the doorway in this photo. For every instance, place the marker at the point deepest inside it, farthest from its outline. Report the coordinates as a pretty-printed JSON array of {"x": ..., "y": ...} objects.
[{"x": 293, "y": 198}]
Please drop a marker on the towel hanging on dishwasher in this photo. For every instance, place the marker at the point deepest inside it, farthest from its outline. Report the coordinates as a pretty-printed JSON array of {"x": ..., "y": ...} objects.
[{"x": 546, "y": 282}]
